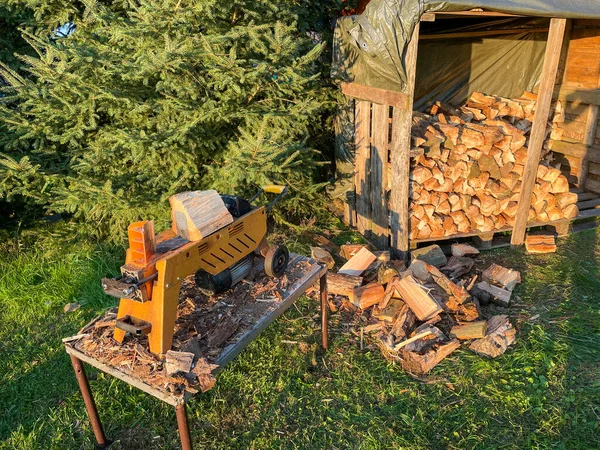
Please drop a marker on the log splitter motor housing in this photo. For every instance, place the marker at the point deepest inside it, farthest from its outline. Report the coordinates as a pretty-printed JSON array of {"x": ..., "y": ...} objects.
[{"x": 156, "y": 265}]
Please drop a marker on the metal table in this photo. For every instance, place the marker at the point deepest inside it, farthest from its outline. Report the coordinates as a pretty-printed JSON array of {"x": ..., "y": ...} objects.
[{"x": 314, "y": 271}]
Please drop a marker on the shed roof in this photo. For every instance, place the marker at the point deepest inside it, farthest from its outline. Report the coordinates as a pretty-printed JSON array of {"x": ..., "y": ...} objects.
[{"x": 369, "y": 48}]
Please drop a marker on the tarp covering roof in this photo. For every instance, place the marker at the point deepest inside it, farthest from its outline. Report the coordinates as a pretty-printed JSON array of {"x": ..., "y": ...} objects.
[{"x": 369, "y": 48}]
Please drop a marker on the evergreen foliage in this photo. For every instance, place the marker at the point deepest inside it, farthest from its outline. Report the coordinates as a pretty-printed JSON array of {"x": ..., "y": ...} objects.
[{"x": 149, "y": 98}]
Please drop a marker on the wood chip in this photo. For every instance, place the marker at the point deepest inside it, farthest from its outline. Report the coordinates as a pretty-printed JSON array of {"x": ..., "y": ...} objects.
[{"x": 178, "y": 362}]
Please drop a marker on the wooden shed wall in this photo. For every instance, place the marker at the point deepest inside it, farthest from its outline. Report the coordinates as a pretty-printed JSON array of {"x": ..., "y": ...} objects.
[{"x": 578, "y": 87}]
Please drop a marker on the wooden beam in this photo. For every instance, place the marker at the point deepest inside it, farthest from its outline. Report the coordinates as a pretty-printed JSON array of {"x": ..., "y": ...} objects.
[
  {"x": 362, "y": 138},
  {"x": 375, "y": 95},
  {"x": 379, "y": 161},
  {"x": 474, "y": 34},
  {"x": 538, "y": 130},
  {"x": 400, "y": 156},
  {"x": 471, "y": 14}
]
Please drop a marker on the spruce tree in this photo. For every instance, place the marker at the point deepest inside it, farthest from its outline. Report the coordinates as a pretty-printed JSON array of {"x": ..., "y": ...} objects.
[{"x": 148, "y": 98}]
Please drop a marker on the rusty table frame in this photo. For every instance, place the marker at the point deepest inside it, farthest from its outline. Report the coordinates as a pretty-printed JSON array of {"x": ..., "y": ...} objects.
[{"x": 78, "y": 358}]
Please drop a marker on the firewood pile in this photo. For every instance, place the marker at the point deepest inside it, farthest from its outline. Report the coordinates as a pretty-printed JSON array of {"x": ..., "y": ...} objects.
[
  {"x": 468, "y": 164},
  {"x": 204, "y": 327},
  {"x": 419, "y": 315}
]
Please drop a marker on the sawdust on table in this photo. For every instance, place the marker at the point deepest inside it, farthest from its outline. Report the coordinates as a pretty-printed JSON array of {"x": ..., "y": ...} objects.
[{"x": 198, "y": 317}]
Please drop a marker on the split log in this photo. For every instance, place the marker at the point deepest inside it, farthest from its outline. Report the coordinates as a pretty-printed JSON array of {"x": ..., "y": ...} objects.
[
  {"x": 468, "y": 311},
  {"x": 386, "y": 273},
  {"x": 432, "y": 254},
  {"x": 539, "y": 243},
  {"x": 506, "y": 278},
  {"x": 347, "y": 251},
  {"x": 464, "y": 250},
  {"x": 458, "y": 266},
  {"x": 472, "y": 330},
  {"x": 197, "y": 214},
  {"x": 366, "y": 296},
  {"x": 418, "y": 269},
  {"x": 341, "y": 284},
  {"x": 388, "y": 313},
  {"x": 416, "y": 337},
  {"x": 500, "y": 334},
  {"x": 421, "y": 364},
  {"x": 452, "y": 289},
  {"x": 323, "y": 256},
  {"x": 417, "y": 298},
  {"x": 487, "y": 293},
  {"x": 358, "y": 263},
  {"x": 403, "y": 323}
]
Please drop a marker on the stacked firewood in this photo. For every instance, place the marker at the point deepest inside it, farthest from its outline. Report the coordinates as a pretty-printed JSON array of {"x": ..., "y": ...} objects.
[
  {"x": 420, "y": 314},
  {"x": 468, "y": 164}
]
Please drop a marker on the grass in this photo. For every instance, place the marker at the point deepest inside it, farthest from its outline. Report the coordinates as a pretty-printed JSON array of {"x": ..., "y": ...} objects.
[{"x": 543, "y": 393}]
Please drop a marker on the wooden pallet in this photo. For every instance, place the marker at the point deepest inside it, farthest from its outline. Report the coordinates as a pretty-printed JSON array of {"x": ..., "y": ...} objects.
[{"x": 589, "y": 211}]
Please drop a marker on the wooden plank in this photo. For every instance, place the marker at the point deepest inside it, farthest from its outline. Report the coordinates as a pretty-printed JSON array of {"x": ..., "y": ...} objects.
[
  {"x": 592, "y": 185},
  {"x": 471, "y": 14},
  {"x": 379, "y": 235},
  {"x": 298, "y": 289},
  {"x": 583, "y": 196},
  {"x": 400, "y": 156},
  {"x": 362, "y": 137},
  {"x": 589, "y": 213},
  {"x": 594, "y": 168},
  {"x": 375, "y": 95},
  {"x": 487, "y": 33},
  {"x": 538, "y": 131},
  {"x": 589, "y": 204},
  {"x": 564, "y": 54}
]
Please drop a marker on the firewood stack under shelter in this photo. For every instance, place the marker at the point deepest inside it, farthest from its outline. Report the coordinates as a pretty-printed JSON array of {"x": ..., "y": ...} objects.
[{"x": 467, "y": 169}]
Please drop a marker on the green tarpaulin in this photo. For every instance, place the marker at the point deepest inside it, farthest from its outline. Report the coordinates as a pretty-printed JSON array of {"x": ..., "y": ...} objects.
[{"x": 369, "y": 48}]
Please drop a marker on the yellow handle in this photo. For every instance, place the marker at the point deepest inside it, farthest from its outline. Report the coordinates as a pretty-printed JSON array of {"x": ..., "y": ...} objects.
[{"x": 274, "y": 189}]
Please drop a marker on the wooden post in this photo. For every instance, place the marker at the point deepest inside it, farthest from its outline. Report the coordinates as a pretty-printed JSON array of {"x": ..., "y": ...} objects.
[
  {"x": 379, "y": 161},
  {"x": 362, "y": 137},
  {"x": 538, "y": 130},
  {"x": 400, "y": 152}
]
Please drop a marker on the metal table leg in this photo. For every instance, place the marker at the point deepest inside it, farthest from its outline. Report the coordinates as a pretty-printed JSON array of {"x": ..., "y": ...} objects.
[
  {"x": 324, "y": 312},
  {"x": 90, "y": 405},
  {"x": 184, "y": 429}
]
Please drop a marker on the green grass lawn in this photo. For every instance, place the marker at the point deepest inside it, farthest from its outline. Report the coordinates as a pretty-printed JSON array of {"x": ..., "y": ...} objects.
[{"x": 543, "y": 393}]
